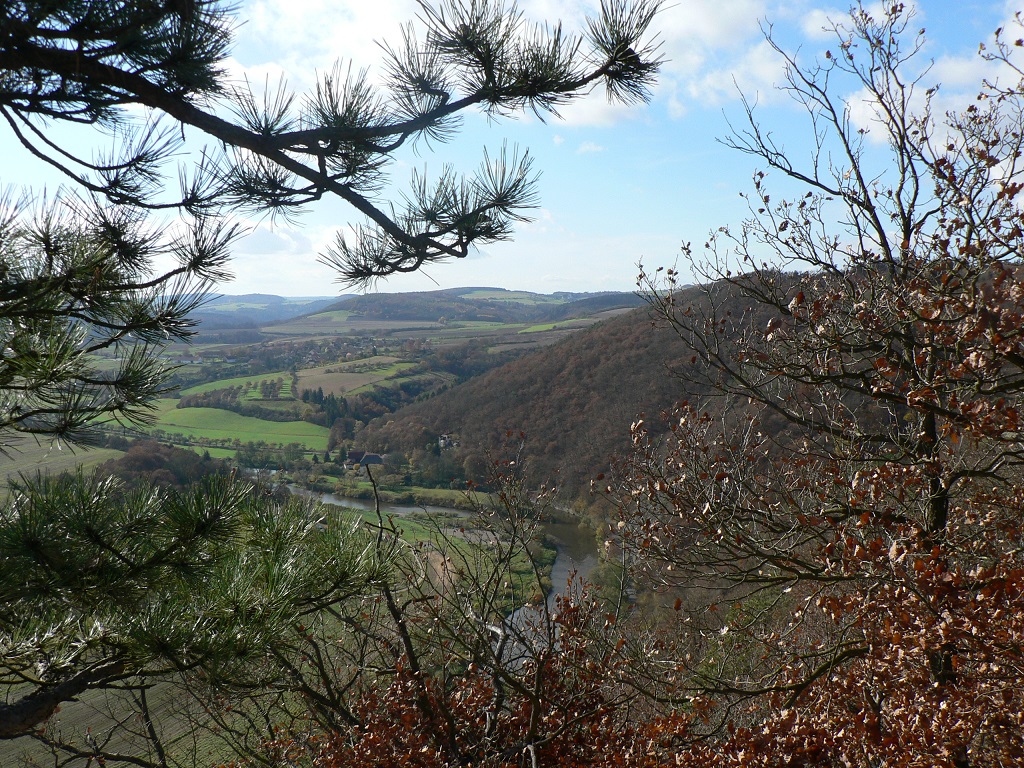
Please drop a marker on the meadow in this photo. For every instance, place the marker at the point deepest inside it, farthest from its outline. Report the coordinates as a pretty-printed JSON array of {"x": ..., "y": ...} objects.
[
  {"x": 241, "y": 381},
  {"x": 28, "y": 457},
  {"x": 217, "y": 424},
  {"x": 343, "y": 378}
]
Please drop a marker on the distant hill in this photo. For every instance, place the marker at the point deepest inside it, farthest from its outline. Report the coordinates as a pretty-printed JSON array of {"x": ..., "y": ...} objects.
[
  {"x": 481, "y": 305},
  {"x": 592, "y": 305},
  {"x": 575, "y": 400},
  {"x": 255, "y": 309}
]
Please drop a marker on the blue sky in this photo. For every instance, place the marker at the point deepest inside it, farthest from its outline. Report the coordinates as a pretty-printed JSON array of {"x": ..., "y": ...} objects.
[{"x": 618, "y": 185}]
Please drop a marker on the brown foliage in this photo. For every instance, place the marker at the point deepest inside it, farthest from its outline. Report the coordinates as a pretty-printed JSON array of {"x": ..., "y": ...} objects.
[
  {"x": 564, "y": 711},
  {"x": 850, "y": 531},
  {"x": 573, "y": 400}
]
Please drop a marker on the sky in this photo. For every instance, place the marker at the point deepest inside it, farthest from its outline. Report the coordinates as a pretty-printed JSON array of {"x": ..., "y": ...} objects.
[{"x": 619, "y": 185}]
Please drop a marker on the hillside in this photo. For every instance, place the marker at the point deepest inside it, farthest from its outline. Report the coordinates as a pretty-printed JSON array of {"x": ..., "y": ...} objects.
[
  {"x": 495, "y": 305},
  {"x": 255, "y": 309},
  {"x": 574, "y": 400}
]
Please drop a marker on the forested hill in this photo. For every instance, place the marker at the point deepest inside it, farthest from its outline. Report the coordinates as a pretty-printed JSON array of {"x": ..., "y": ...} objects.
[
  {"x": 575, "y": 400},
  {"x": 482, "y": 305}
]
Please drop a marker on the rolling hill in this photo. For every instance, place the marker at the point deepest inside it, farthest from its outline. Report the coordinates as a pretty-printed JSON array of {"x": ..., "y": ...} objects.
[
  {"x": 495, "y": 305},
  {"x": 575, "y": 400}
]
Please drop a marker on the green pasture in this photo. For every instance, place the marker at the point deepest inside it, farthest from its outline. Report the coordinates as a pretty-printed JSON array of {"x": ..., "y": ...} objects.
[
  {"x": 332, "y": 323},
  {"x": 395, "y": 380},
  {"x": 217, "y": 424},
  {"x": 215, "y": 453},
  {"x": 284, "y": 393},
  {"x": 513, "y": 297},
  {"x": 477, "y": 324},
  {"x": 241, "y": 381},
  {"x": 562, "y": 325},
  {"x": 336, "y": 315},
  {"x": 539, "y": 327},
  {"x": 27, "y": 457}
]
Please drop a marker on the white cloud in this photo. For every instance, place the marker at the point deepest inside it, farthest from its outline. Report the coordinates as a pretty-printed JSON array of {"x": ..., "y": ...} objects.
[
  {"x": 281, "y": 259},
  {"x": 269, "y": 239},
  {"x": 594, "y": 110},
  {"x": 541, "y": 222},
  {"x": 816, "y": 23},
  {"x": 756, "y": 74},
  {"x": 301, "y": 37},
  {"x": 960, "y": 79},
  {"x": 701, "y": 40},
  {"x": 705, "y": 42},
  {"x": 304, "y": 36},
  {"x": 588, "y": 147}
]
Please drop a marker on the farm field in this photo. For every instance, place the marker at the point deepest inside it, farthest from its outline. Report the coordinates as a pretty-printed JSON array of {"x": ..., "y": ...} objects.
[
  {"x": 218, "y": 424},
  {"x": 574, "y": 324},
  {"x": 29, "y": 457},
  {"x": 241, "y": 381},
  {"x": 363, "y": 335},
  {"x": 512, "y": 297},
  {"x": 342, "y": 378},
  {"x": 334, "y": 324},
  {"x": 430, "y": 376},
  {"x": 215, "y": 453}
]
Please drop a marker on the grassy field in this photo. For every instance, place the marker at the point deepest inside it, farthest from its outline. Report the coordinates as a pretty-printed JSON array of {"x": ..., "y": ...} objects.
[
  {"x": 215, "y": 453},
  {"x": 518, "y": 297},
  {"x": 343, "y": 378},
  {"x": 217, "y": 424},
  {"x": 241, "y": 381},
  {"x": 395, "y": 379},
  {"x": 28, "y": 458},
  {"x": 478, "y": 325},
  {"x": 574, "y": 324},
  {"x": 332, "y": 323}
]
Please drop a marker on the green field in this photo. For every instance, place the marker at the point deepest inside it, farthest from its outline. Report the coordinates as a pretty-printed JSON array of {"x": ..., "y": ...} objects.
[
  {"x": 332, "y": 323},
  {"x": 563, "y": 325},
  {"x": 516, "y": 297},
  {"x": 479, "y": 325},
  {"x": 29, "y": 457},
  {"x": 337, "y": 315},
  {"x": 215, "y": 453},
  {"x": 540, "y": 327},
  {"x": 241, "y": 381},
  {"x": 217, "y": 424},
  {"x": 397, "y": 380}
]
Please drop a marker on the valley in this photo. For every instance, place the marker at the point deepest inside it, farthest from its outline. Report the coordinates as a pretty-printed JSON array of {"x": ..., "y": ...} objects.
[{"x": 319, "y": 378}]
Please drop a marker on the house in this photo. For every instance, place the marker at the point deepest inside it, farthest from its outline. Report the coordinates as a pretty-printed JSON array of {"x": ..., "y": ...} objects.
[{"x": 362, "y": 459}]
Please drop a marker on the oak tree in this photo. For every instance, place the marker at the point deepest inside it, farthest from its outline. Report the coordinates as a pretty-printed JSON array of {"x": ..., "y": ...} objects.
[{"x": 843, "y": 520}]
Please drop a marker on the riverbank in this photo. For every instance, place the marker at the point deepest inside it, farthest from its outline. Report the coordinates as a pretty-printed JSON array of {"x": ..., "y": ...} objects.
[
  {"x": 574, "y": 545},
  {"x": 411, "y": 496}
]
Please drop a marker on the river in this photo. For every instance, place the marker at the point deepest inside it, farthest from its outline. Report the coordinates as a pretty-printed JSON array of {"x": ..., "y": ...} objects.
[{"x": 575, "y": 546}]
